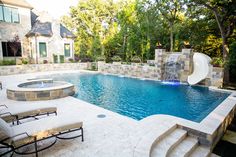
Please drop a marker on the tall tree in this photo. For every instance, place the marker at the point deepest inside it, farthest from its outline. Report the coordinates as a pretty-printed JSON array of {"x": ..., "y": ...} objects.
[
  {"x": 225, "y": 16},
  {"x": 170, "y": 10},
  {"x": 93, "y": 21}
]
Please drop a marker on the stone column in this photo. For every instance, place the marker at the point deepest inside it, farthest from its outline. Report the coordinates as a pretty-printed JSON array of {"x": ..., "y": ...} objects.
[
  {"x": 187, "y": 62},
  {"x": 101, "y": 65},
  {"x": 159, "y": 62}
]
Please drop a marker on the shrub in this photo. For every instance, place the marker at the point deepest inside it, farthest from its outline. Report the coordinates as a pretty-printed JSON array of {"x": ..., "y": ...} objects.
[
  {"x": 55, "y": 58},
  {"x": 136, "y": 59},
  {"x": 71, "y": 60},
  {"x": 7, "y": 62},
  {"x": 62, "y": 59},
  {"x": 86, "y": 59},
  {"x": 101, "y": 58},
  {"x": 45, "y": 61},
  {"x": 217, "y": 62},
  {"x": 24, "y": 61},
  {"x": 116, "y": 59},
  {"x": 76, "y": 58}
]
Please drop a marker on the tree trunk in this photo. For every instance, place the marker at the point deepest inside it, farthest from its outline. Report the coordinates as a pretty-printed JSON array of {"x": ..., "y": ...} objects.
[
  {"x": 225, "y": 58},
  {"x": 171, "y": 37},
  {"x": 124, "y": 46},
  {"x": 224, "y": 46}
]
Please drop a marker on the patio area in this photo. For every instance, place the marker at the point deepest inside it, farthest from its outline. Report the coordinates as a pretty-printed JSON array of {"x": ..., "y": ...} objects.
[{"x": 103, "y": 136}]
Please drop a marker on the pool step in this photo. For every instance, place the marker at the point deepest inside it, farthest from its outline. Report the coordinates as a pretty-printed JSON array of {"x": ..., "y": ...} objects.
[
  {"x": 201, "y": 151},
  {"x": 161, "y": 147},
  {"x": 145, "y": 143},
  {"x": 185, "y": 148}
]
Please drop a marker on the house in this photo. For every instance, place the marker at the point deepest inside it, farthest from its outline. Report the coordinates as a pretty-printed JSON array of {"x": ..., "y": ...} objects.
[{"x": 40, "y": 35}]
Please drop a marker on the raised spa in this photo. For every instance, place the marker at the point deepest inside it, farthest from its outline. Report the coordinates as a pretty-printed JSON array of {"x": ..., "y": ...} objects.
[{"x": 41, "y": 89}]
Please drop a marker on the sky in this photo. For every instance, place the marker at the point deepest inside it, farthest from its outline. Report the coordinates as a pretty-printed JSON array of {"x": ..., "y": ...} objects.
[{"x": 56, "y": 8}]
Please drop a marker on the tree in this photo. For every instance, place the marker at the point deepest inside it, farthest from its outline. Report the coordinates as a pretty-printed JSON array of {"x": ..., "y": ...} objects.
[
  {"x": 93, "y": 22},
  {"x": 170, "y": 10},
  {"x": 15, "y": 45},
  {"x": 225, "y": 16}
]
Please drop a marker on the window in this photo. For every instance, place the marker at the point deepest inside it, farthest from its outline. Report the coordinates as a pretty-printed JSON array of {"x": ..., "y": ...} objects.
[
  {"x": 1, "y": 13},
  {"x": 8, "y": 14},
  {"x": 67, "y": 50},
  {"x": 11, "y": 49},
  {"x": 15, "y": 16},
  {"x": 42, "y": 49}
]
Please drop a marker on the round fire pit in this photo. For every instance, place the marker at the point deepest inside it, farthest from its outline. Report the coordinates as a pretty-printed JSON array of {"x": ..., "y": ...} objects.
[{"x": 42, "y": 89}]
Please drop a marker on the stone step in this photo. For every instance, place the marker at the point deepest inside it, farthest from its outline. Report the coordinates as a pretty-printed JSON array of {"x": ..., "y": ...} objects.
[
  {"x": 185, "y": 148},
  {"x": 145, "y": 143},
  {"x": 201, "y": 151},
  {"x": 213, "y": 155},
  {"x": 161, "y": 147}
]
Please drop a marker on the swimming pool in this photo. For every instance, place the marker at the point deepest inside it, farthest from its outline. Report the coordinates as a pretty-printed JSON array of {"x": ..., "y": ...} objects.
[{"x": 141, "y": 98}]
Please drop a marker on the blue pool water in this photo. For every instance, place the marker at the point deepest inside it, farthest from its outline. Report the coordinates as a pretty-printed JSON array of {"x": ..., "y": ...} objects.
[{"x": 138, "y": 99}]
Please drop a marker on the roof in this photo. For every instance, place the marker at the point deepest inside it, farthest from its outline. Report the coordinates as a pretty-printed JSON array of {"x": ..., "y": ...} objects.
[
  {"x": 65, "y": 33},
  {"x": 42, "y": 26},
  {"x": 19, "y": 3},
  {"x": 41, "y": 29}
]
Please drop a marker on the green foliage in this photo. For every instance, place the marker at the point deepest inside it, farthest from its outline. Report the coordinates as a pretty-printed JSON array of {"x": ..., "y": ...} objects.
[
  {"x": 71, "y": 60},
  {"x": 7, "y": 62},
  {"x": 24, "y": 61},
  {"x": 136, "y": 59},
  {"x": 129, "y": 28},
  {"x": 116, "y": 59},
  {"x": 217, "y": 62},
  {"x": 101, "y": 58}
]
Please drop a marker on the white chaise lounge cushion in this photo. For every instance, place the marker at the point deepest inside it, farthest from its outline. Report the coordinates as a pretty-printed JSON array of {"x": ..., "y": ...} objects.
[
  {"x": 45, "y": 127},
  {"x": 5, "y": 130}
]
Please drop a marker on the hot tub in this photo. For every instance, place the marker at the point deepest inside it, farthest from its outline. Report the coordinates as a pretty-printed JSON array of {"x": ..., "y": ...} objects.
[{"x": 41, "y": 89}]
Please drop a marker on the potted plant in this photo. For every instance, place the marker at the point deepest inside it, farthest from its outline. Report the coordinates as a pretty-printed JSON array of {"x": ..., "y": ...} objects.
[
  {"x": 158, "y": 45},
  {"x": 116, "y": 60},
  {"x": 136, "y": 60},
  {"x": 45, "y": 61},
  {"x": 101, "y": 59},
  {"x": 24, "y": 61},
  {"x": 217, "y": 62},
  {"x": 71, "y": 60}
]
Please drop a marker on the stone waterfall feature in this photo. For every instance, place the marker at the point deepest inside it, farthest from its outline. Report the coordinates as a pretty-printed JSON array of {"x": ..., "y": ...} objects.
[{"x": 172, "y": 68}]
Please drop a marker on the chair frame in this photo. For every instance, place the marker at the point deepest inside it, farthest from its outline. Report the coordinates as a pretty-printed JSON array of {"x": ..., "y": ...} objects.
[{"x": 36, "y": 151}]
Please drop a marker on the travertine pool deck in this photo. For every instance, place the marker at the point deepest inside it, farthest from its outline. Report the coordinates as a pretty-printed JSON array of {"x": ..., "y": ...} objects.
[
  {"x": 112, "y": 136},
  {"x": 104, "y": 137}
]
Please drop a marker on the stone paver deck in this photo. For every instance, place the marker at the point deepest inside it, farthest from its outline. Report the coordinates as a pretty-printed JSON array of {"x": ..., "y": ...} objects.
[{"x": 104, "y": 137}]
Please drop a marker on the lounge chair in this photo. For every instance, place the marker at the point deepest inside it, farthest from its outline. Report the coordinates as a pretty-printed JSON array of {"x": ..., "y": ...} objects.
[
  {"x": 14, "y": 138},
  {"x": 17, "y": 113}
]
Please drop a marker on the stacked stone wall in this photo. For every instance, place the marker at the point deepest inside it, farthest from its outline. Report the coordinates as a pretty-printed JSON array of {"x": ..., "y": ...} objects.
[{"x": 31, "y": 68}]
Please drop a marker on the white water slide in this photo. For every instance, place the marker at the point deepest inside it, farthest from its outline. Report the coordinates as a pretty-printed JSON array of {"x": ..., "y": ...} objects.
[{"x": 201, "y": 68}]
